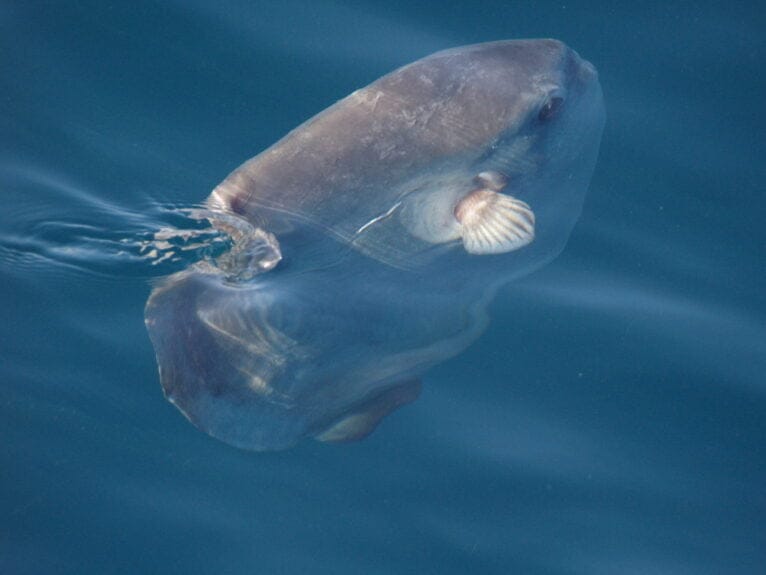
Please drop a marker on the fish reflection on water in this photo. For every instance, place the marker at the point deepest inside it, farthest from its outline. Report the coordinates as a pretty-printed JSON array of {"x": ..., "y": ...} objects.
[{"x": 368, "y": 242}]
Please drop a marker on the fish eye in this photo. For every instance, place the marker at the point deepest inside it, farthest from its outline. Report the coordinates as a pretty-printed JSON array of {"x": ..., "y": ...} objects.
[{"x": 550, "y": 108}]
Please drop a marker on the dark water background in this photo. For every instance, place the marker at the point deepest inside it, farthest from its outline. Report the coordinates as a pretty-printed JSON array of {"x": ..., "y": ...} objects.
[{"x": 611, "y": 421}]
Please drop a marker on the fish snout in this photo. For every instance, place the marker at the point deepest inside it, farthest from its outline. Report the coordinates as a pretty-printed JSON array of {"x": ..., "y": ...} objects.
[{"x": 579, "y": 73}]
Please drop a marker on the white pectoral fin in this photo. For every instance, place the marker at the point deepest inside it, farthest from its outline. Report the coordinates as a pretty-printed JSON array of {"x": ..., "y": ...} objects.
[{"x": 493, "y": 223}]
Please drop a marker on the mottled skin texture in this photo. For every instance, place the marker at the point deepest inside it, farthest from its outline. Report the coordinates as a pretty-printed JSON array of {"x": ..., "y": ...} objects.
[{"x": 373, "y": 287}]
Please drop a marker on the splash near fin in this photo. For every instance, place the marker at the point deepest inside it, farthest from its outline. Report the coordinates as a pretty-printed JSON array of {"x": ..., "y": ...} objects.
[
  {"x": 493, "y": 223},
  {"x": 363, "y": 420}
]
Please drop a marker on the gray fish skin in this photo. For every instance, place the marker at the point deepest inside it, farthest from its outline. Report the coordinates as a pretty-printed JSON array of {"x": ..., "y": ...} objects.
[
  {"x": 377, "y": 280},
  {"x": 418, "y": 137}
]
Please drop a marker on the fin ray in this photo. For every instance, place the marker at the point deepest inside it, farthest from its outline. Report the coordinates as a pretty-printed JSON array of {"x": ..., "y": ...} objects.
[{"x": 494, "y": 223}]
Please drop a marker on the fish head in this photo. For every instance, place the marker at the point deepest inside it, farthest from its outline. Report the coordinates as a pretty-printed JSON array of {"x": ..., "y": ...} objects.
[{"x": 551, "y": 118}]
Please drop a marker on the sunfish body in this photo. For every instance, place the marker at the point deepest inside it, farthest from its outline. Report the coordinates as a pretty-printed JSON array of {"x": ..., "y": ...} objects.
[{"x": 380, "y": 229}]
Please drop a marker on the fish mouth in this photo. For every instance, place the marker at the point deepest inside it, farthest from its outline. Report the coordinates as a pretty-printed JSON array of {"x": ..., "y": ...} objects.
[
  {"x": 587, "y": 70},
  {"x": 579, "y": 73}
]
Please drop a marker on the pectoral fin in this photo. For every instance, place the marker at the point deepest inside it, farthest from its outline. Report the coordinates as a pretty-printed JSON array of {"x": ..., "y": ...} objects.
[
  {"x": 360, "y": 422},
  {"x": 494, "y": 223}
]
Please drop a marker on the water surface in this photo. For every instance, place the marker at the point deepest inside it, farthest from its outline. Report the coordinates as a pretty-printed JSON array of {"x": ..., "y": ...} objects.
[{"x": 611, "y": 420}]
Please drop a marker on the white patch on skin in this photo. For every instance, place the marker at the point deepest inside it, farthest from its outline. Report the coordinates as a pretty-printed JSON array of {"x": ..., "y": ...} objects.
[{"x": 379, "y": 218}]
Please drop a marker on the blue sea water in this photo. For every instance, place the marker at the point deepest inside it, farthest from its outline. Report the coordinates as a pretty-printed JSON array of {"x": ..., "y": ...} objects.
[{"x": 612, "y": 420}]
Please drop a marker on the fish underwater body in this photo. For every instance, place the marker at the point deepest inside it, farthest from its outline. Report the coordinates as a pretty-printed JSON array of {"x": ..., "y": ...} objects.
[{"x": 374, "y": 237}]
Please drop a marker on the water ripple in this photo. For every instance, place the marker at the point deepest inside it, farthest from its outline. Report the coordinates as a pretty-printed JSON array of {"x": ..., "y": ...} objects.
[{"x": 54, "y": 226}]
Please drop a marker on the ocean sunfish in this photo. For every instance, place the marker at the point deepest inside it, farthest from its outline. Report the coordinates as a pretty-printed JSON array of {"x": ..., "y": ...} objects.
[{"x": 368, "y": 242}]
